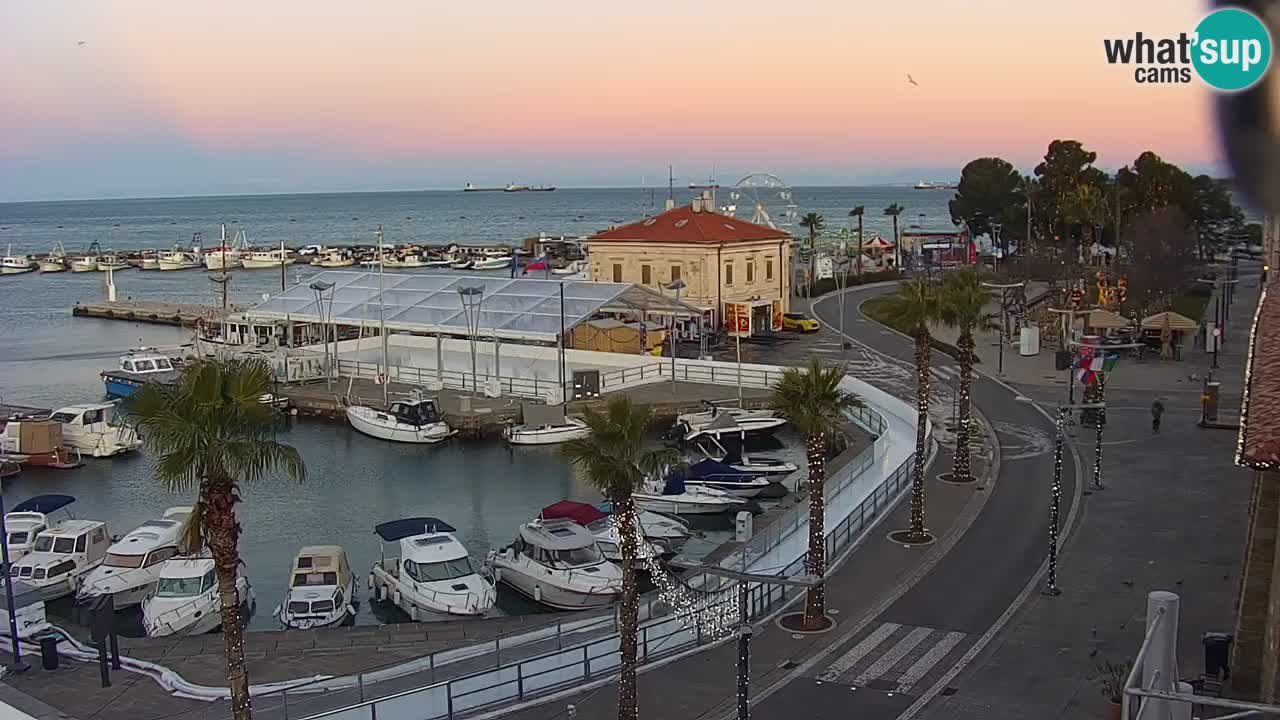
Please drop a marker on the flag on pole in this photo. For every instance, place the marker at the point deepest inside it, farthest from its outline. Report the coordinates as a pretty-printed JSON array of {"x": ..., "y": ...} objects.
[{"x": 538, "y": 263}]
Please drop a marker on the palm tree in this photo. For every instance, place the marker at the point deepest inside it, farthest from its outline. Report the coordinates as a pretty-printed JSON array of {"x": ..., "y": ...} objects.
[
  {"x": 814, "y": 223},
  {"x": 1087, "y": 207},
  {"x": 858, "y": 212},
  {"x": 915, "y": 306},
  {"x": 614, "y": 460},
  {"x": 209, "y": 432},
  {"x": 894, "y": 210},
  {"x": 963, "y": 306},
  {"x": 814, "y": 403}
]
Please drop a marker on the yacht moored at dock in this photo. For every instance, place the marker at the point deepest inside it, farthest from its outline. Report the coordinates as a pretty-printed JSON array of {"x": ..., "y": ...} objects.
[
  {"x": 12, "y": 264},
  {"x": 259, "y": 259},
  {"x": 322, "y": 591},
  {"x": 132, "y": 566},
  {"x": 408, "y": 421},
  {"x": 28, "y": 519},
  {"x": 186, "y": 599},
  {"x": 55, "y": 261},
  {"x": 92, "y": 429},
  {"x": 557, "y": 563},
  {"x": 433, "y": 578},
  {"x": 605, "y": 529},
  {"x": 62, "y": 556},
  {"x": 720, "y": 476},
  {"x": 137, "y": 369},
  {"x": 673, "y": 497}
]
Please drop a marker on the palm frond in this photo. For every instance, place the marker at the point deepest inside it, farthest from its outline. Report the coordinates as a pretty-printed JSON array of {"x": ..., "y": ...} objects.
[
  {"x": 812, "y": 399},
  {"x": 612, "y": 457}
]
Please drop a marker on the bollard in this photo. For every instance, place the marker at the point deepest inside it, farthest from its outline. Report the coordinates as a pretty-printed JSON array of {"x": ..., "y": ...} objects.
[{"x": 1160, "y": 667}]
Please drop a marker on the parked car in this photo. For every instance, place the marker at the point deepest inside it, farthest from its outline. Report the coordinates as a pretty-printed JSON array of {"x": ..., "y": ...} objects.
[{"x": 799, "y": 322}]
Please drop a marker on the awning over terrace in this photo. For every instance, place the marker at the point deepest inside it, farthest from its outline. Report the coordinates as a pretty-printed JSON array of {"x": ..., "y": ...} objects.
[{"x": 524, "y": 309}]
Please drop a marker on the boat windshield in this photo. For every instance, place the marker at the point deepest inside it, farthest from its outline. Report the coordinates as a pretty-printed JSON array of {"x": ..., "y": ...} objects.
[
  {"x": 123, "y": 561},
  {"x": 589, "y": 555},
  {"x": 64, "y": 545},
  {"x": 436, "y": 572},
  {"x": 178, "y": 587},
  {"x": 17, "y": 538},
  {"x": 303, "y": 579}
]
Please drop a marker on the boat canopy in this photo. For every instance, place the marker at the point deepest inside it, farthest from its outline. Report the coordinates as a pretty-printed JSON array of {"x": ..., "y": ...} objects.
[
  {"x": 43, "y": 504},
  {"x": 400, "y": 529},
  {"x": 581, "y": 513},
  {"x": 674, "y": 486},
  {"x": 718, "y": 471}
]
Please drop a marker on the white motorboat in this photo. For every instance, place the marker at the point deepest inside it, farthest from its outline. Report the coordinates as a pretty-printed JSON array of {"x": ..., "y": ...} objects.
[
  {"x": 739, "y": 460},
  {"x": 492, "y": 263},
  {"x": 186, "y": 599},
  {"x": 410, "y": 421},
  {"x": 557, "y": 563},
  {"x": 132, "y": 565},
  {"x": 85, "y": 263},
  {"x": 63, "y": 555},
  {"x": 92, "y": 428},
  {"x": 433, "y": 578},
  {"x": 12, "y": 264},
  {"x": 720, "y": 476},
  {"x": 55, "y": 261},
  {"x": 412, "y": 260},
  {"x": 446, "y": 261},
  {"x": 137, "y": 369},
  {"x": 322, "y": 590},
  {"x": 258, "y": 259},
  {"x": 28, "y": 519},
  {"x": 464, "y": 264},
  {"x": 729, "y": 421},
  {"x": 666, "y": 531},
  {"x": 150, "y": 260},
  {"x": 571, "y": 429},
  {"x": 604, "y": 527},
  {"x": 572, "y": 268},
  {"x": 334, "y": 259},
  {"x": 112, "y": 263},
  {"x": 179, "y": 260},
  {"x": 673, "y": 497}
]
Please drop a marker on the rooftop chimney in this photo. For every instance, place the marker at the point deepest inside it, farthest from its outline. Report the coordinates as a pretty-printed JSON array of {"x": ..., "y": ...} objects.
[
  {"x": 671, "y": 203},
  {"x": 696, "y": 205}
]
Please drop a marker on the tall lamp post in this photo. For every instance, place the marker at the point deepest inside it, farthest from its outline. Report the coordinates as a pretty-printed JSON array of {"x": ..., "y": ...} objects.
[
  {"x": 1062, "y": 412},
  {"x": 1004, "y": 314},
  {"x": 222, "y": 278},
  {"x": 17, "y": 665},
  {"x": 320, "y": 287},
  {"x": 677, "y": 285},
  {"x": 471, "y": 296}
]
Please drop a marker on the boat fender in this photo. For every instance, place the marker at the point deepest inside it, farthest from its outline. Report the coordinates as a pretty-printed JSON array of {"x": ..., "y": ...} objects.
[
  {"x": 382, "y": 593},
  {"x": 396, "y": 597},
  {"x": 371, "y": 585},
  {"x": 537, "y": 593},
  {"x": 497, "y": 575},
  {"x": 413, "y": 613}
]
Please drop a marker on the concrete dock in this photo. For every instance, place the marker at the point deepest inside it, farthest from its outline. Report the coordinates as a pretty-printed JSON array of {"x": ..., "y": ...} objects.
[{"x": 150, "y": 311}]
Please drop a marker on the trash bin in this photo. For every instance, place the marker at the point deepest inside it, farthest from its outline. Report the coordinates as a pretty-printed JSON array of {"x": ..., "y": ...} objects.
[
  {"x": 1217, "y": 654},
  {"x": 49, "y": 652}
]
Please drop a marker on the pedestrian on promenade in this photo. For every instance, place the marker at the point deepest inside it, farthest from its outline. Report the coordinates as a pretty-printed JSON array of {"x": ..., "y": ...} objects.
[{"x": 1157, "y": 409}]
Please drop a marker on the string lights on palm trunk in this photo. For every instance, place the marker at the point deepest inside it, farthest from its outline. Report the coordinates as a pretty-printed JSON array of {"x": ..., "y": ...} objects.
[
  {"x": 917, "y": 530},
  {"x": 1051, "y": 585},
  {"x": 815, "y": 560}
]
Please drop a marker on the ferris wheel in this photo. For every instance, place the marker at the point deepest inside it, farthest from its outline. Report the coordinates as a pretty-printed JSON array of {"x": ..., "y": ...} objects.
[{"x": 769, "y": 198}]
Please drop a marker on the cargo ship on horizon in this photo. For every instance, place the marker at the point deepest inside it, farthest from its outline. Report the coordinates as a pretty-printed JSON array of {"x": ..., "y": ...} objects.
[{"x": 511, "y": 187}]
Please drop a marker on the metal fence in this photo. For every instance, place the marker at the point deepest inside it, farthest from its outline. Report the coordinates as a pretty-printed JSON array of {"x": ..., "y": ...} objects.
[{"x": 526, "y": 387}]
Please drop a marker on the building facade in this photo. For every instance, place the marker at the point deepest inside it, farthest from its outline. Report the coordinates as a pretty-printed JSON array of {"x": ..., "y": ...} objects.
[{"x": 721, "y": 260}]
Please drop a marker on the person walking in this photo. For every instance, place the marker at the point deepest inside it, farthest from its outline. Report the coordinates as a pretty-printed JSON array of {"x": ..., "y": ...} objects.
[{"x": 1157, "y": 410}]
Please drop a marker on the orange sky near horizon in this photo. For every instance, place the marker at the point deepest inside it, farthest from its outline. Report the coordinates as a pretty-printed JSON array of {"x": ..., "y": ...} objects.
[{"x": 818, "y": 89}]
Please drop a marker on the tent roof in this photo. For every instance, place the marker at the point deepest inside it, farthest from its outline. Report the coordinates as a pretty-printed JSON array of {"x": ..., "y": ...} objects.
[
  {"x": 1176, "y": 322},
  {"x": 877, "y": 242},
  {"x": 1106, "y": 319},
  {"x": 429, "y": 302}
]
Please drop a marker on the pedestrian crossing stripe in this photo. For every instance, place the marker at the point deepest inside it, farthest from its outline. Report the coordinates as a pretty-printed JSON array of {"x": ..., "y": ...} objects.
[{"x": 894, "y": 656}]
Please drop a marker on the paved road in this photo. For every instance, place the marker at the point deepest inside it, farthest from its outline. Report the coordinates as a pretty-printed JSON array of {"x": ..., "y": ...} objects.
[{"x": 914, "y": 643}]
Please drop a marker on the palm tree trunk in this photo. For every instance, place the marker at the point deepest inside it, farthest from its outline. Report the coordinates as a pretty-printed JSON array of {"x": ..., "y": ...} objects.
[
  {"x": 813, "y": 261},
  {"x": 222, "y": 532},
  {"x": 922, "y": 418},
  {"x": 629, "y": 611},
  {"x": 859, "y": 244},
  {"x": 897, "y": 249},
  {"x": 815, "y": 601},
  {"x": 960, "y": 470}
]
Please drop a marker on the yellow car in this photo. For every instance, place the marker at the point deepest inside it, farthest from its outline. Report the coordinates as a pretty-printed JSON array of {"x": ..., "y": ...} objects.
[{"x": 799, "y": 322}]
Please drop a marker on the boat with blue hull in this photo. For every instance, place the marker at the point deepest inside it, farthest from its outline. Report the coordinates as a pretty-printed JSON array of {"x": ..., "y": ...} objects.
[{"x": 137, "y": 369}]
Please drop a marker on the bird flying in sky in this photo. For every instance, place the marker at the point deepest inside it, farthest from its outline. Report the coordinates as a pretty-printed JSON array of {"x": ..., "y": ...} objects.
[
  {"x": 79, "y": 42},
  {"x": 912, "y": 81}
]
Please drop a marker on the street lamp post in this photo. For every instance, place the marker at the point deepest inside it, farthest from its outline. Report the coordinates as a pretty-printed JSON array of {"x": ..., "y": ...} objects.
[
  {"x": 677, "y": 285},
  {"x": 1004, "y": 313},
  {"x": 17, "y": 665},
  {"x": 321, "y": 287},
  {"x": 471, "y": 296},
  {"x": 1062, "y": 412},
  {"x": 995, "y": 243}
]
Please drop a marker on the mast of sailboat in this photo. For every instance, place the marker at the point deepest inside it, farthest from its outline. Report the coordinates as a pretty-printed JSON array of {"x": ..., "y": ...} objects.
[
  {"x": 282, "y": 265},
  {"x": 382, "y": 320}
]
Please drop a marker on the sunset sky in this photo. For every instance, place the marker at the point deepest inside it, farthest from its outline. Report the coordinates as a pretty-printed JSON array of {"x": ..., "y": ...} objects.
[{"x": 248, "y": 96}]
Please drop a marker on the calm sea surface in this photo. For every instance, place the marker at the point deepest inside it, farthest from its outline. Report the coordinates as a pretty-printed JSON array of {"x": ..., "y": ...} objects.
[{"x": 48, "y": 359}]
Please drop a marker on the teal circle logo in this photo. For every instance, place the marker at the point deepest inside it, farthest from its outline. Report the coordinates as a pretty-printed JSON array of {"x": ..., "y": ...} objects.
[{"x": 1232, "y": 49}]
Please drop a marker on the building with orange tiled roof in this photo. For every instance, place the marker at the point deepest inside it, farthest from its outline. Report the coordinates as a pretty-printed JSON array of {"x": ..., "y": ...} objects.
[{"x": 722, "y": 261}]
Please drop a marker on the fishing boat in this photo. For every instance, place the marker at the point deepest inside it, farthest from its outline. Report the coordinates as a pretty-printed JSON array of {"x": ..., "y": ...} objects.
[
  {"x": 224, "y": 256},
  {"x": 604, "y": 527},
  {"x": 557, "y": 563},
  {"x": 674, "y": 497},
  {"x": 55, "y": 261},
  {"x": 136, "y": 369},
  {"x": 259, "y": 259},
  {"x": 36, "y": 442},
  {"x": 28, "y": 519},
  {"x": 186, "y": 599},
  {"x": 322, "y": 590},
  {"x": 720, "y": 476},
  {"x": 89, "y": 261},
  {"x": 492, "y": 263},
  {"x": 62, "y": 556},
  {"x": 12, "y": 264},
  {"x": 334, "y": 259},
  {"x": 93, "y": 429},
  {"x": 150, "y": 260},
  {"x": 132, "y": 565},
  {"x": 433, "y": 577},
  {"x": 545, "y": 425},
  {"x": 415, "y": 420},
  {"x": 412, "y": 260},
  {"x": 667, "y": 531},
  {"x": 111, "y": 262},
  {"x": 178, "y": 260}
]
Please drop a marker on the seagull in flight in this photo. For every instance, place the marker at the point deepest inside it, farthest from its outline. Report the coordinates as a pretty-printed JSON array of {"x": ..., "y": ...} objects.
[
  {"x": 79, "y": 42},
  {"x": 912, "y": 80}
]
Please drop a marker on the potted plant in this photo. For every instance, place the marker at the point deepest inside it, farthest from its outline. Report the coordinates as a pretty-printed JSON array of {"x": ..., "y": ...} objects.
[{"x": 1113, "y": 679}]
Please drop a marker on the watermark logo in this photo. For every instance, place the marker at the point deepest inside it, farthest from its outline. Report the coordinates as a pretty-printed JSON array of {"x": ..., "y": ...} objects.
[{"x": 1230, "y": 50}]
